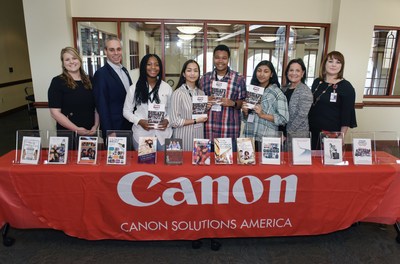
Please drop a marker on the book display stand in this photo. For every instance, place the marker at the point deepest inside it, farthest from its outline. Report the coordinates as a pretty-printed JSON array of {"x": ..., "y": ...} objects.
[
  {"x": 387, "y": 141},
  {"x": 298, "y": 147},
  {"x": 119, "y": 147},
  {"x": 60, "y": 145},
  {"x": 28, "y": 144},
  {"x": 332, "y": 148},
  {"x": 271, "y": 149}
]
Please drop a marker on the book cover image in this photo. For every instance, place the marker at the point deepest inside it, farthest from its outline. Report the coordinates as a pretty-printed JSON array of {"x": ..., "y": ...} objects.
[
  {"x": 116, "y": 150},
  {"x": 147, "y": 152},
  {"x": 58, "y": 150},
  {"x": 253, "y": 96},
  {"x": 173, "y": 151},
  {"x": 201, "y": 151},
  {"x": 155, "y": 114},
  {"x": 223, "y": 151},
  {"x": 30, "y": 150},
  {"x": 218, "y": 90},
  {"x": 245, "y": 151},
  {"x": 271, "y": 150},
  {"x": 332, "y": 150},
  {"x": 362, "y": 151},
  {"x": 87, "y": 151},
  {"x": 301, "y": 151},
  {"x": 199, "y": 106}
]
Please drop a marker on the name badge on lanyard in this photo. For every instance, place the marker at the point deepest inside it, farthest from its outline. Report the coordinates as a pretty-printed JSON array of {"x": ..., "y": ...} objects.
[{"x": 334, "y": 94}]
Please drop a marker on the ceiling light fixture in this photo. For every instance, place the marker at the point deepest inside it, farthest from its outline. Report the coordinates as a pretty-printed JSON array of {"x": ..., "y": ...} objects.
[
  {"x": 186, "y": 36},
  {"x": 269, "y": 38},
  {"x": 189, "y": 29}
]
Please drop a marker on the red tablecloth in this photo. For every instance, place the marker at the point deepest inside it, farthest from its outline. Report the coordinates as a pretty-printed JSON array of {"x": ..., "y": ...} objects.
[{"x": 151, "y": 202}]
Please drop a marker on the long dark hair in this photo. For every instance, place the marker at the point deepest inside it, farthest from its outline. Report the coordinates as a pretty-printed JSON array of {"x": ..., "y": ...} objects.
[
  {"x": 303, "y": 68},
  {"x": 142, "y": 89},
  {"x": 272, "y": 80},
  {"x": 182, "y": 78}
]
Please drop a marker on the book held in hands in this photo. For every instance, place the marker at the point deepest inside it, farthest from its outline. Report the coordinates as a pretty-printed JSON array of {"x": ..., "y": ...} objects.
[
  {"x": 218, "y": 90},
  {"x": 199, "y": 106},
  {"x": 155, "y": 114},
  {"x": 253, "y": 95},
  {"x": 87, "y": 151},
  {"x": 116, "y": 150},
  {"x": 58, "y": 150},
  {"x": 30, "y": 150},
  {"x": 245, "y": 151},
  {"x": 201, "y": 151},
  {"x": 173, "y": 151},
  {"x": 223, "y": 151},
  {"x": 147, "y": 152}
]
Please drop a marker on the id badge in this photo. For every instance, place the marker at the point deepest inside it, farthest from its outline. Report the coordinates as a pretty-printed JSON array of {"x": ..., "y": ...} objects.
[
  {"x": 333, "y": 97},
  {"x": 216, "y": 108},
  {"x": 250, "y": 118}
]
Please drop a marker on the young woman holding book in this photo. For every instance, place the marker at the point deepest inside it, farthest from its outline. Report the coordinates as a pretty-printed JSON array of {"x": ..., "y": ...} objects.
[
  {"x": 148, "y": 89},
  {"x": 272, "y": 111},
  {"x": 185, "y": 126}
]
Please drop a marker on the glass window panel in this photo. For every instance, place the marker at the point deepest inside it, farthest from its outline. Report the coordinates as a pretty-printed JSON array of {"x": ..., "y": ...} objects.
[
  {"x": 380, "y": 62},
  {"x": 231, "y": 35},
  {"x": 183, "y": 41},
  {"x": 92, "y": 36},
  {"x": 265, "y": 43},
  {"x": 307, "y": 43},
  {"x": 147, "y": 39}
]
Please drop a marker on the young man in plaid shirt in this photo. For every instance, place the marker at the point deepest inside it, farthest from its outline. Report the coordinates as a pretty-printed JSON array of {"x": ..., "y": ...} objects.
[{"x": 224, "y": 119}]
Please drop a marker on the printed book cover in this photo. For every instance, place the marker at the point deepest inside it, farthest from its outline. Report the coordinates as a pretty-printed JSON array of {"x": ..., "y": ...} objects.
[
  {"x": 201, "y": 151},
  {"x": 116, "y": 150},
  {"x": 87, "y": 151},
  {"x": 147, "y": 152},
  {"x": 332, "y": 150},
  {"x": 155, "y": 114},
  {"x": 30, "y": 150},
  {"x": 301, "y": 151},
  {"x": 253, "y": 96},
  {"x": 362, "y": 151},
  {"x": 223, "y": 151},
  {"x": 271, "y": 150},
  {"x": 173, "y": 151},
  {"x": 218, "y": 90},
  {"x": 245, "y": 151},
  {"x": 58, "y": 150},
  {"x": 199, "y": 106}
]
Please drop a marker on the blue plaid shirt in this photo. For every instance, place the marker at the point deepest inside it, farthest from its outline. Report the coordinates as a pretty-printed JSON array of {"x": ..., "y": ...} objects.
[
  {"x": 225, "y": 123},
  {"x": 273, "y": 102}
]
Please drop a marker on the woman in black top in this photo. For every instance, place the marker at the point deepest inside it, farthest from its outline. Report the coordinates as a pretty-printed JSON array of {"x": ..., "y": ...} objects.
[
  {"x": 334, "y": 98},
  {"x": 71, "y": 100}
]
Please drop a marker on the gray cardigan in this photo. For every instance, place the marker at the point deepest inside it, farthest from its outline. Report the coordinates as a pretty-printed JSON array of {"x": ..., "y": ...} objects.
[{"x": 299, "y": 106}]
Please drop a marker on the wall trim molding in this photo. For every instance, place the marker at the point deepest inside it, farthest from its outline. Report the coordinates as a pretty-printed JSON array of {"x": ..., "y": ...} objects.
[{"x": 2, "y": 85}]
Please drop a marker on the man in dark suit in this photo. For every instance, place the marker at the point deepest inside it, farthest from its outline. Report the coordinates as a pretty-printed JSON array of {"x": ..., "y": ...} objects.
[{"x": 110, "y": 85}]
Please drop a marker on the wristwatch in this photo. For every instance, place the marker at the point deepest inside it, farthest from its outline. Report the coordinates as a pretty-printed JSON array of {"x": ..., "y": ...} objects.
[
  {"x": 194, "y": 121},
  {"x": 234, "y": 106}
]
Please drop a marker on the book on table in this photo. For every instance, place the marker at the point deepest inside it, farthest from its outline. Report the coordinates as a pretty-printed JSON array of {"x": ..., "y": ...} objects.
[
  {"x": 201, "y": 151},
  {"x": 223, "y": 151},
  {"x": 58, "y": 150},
  {"x": 173, "y": 151},
  {"x": 147, "y": 152},
  {"x": 301, "y": 151},
  {"x": 362, "y": 151},
  {"x": 246, "y": 151},
  {"x": 271, "y": 150},
  {"x": 87, "y": 150},
  {"x": 30, "y": 150},
  {"x": 116, "y": 150}
]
